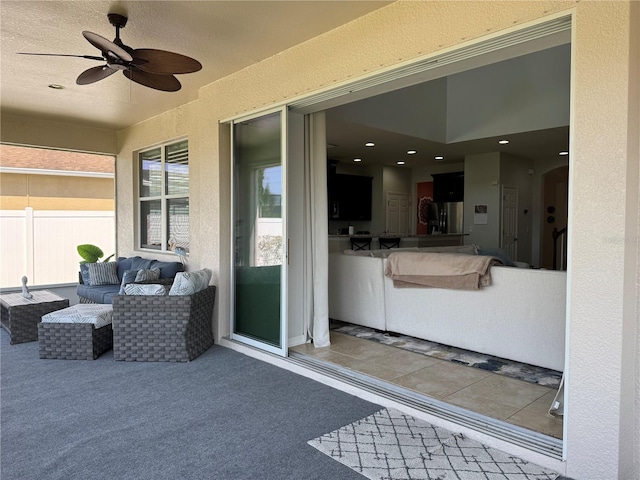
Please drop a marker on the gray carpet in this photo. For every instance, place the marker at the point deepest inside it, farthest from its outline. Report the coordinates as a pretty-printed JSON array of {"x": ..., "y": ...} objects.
[{"x": 222, "y": 416}]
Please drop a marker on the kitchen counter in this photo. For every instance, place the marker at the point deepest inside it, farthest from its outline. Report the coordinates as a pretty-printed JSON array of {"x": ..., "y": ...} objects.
[{"x": 339, "y": 243}]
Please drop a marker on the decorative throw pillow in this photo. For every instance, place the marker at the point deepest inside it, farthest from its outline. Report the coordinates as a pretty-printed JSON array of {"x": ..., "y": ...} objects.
[
  {"x": 129, "y": 276},
  {"x": 105, "y": 273},
  {"x": 84, "y": 272},
  {"x": 148, "y": 275},
  {"x": 188, "y": 283},
  {"x": 146, "y": 289}
]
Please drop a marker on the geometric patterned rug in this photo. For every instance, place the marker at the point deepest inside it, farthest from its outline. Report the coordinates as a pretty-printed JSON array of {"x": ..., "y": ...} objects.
[
  {"x": 500, "y": 366},
  {"x": 391, "y": 445}
]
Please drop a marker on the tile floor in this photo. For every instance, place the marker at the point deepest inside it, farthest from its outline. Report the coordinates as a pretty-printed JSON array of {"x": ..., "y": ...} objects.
[{"x": 513, "y": 401}]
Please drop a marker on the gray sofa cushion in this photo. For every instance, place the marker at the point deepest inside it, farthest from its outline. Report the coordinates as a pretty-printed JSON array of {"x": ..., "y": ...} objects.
[
  {"x": 133, "y": 263},
  {"x": 98, "y": 294},
  {"x": 167, "y": 269}
]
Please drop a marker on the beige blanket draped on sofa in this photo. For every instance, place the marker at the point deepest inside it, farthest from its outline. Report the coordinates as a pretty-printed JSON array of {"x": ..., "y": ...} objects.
[{"x": 439, "y": 270}]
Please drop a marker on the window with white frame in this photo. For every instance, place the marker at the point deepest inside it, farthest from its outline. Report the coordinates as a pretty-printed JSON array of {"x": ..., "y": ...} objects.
[{"x": 164, "y": 197}]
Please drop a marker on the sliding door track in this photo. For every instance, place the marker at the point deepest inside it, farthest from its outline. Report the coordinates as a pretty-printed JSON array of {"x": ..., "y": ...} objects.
[{"x": 534, "y": 441}]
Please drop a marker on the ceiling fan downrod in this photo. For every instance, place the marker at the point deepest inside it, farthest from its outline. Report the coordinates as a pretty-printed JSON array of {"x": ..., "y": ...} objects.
[{"x": 119, "y": 21}]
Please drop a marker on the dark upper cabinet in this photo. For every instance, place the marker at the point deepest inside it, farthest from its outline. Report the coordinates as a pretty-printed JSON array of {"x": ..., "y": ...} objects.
[
  {"x": 448, "y": 187},
  {"x": 349, "y": 197}
]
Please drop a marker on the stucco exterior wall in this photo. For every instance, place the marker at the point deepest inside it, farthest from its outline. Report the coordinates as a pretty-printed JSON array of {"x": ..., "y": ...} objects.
[
  {"x": 29, "y": 131},
  {"x": 603, "y": 363},
  {"x": 51, "y": 192},
  {"x": 603, "y": 195},
  {"x": 602, "y": 240},
  {"x": 600, "y": 126}
]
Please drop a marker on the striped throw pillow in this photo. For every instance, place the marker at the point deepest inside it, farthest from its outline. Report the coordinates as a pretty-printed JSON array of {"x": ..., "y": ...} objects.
[{"x": 104, "y": 273}]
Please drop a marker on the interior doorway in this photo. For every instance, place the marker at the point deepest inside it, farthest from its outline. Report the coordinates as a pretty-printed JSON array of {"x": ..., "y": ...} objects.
[
  {"x": 509, "y": 221},
  {"x": 397, "y": 214},
  {"x": 554, "y": 211}
]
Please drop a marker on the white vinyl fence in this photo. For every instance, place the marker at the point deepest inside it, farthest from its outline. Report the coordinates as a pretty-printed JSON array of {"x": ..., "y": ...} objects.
[{"x": 42, "y": 244}]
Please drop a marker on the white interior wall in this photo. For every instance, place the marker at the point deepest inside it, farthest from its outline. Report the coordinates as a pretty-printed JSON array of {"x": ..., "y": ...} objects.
[
  {"x": 396, "y": 180},
  {"x": 482, "y": 187},
  {"x": 518, "y": 172},
  {"x": 490, "y": 101},
  {"x": 419, "y": 111},
  {"x": 525, "y": 93}
]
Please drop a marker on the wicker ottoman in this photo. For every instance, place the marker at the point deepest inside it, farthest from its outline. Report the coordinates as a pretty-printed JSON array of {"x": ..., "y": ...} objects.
[{"x": 80, "y": 332}]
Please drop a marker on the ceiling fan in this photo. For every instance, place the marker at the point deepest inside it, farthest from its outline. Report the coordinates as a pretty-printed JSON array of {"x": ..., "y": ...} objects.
[{"x": 146, "y": 66}]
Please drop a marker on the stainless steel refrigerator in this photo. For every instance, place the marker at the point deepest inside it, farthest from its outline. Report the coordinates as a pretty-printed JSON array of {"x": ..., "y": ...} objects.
[{"x": 446, "y": 217}]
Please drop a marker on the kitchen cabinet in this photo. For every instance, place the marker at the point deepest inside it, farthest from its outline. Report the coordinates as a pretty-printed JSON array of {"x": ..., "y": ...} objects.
[
  {"x": 448, "y": 187},
  {"x": 349, "y": 197}
]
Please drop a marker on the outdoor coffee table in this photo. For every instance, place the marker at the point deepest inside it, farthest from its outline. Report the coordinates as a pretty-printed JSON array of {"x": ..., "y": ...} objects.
[{"x": 20, "y": 316}]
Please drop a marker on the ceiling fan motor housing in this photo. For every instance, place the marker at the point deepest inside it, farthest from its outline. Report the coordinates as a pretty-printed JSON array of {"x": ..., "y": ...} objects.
[{"x": 117, "y": 20}]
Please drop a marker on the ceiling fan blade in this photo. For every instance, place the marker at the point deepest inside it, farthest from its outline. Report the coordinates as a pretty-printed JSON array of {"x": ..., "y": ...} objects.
[
  {"x": 166, "y": 83},
  {"x": 106, "y": 46},
  {"x": 90, "y": 57},
  {"x": 94, "y": 74},
  {"x": 163, "y": 62}
]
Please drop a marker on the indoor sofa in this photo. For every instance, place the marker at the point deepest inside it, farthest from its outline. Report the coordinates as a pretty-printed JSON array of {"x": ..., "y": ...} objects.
[
  {"x": 520, "y": 316},
  {"x": 104, "y": 292}
]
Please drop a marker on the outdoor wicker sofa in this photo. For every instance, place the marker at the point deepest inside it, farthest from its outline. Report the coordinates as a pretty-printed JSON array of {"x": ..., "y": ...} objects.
[
  {"x": 104, "y": 294},
  {"x": 162, "y": 328}
]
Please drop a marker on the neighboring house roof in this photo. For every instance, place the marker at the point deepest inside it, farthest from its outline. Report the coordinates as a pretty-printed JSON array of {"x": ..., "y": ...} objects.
[{"x": 18, "y": 158}]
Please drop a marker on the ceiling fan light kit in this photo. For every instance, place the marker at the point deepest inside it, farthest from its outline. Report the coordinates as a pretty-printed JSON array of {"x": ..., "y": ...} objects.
[{"x": 146, "y": 66}]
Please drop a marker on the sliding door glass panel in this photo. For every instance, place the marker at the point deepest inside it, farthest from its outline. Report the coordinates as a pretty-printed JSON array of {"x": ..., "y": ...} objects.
[{"x": 258, "y": 229}]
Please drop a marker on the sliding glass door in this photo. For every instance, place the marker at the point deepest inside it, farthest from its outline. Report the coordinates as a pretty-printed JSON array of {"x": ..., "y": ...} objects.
[{"x": 259, "y": 231}]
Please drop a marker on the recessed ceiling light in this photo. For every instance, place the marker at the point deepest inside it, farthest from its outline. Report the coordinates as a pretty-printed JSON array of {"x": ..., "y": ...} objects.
[
  {"x": 357, "y": 159},
  {"x": 369, "y": 144},
  {"x": 439, "y": 157},
  {"x": 400, "y": 162},
  {"x": 563, "y": 153},
  {"x": 503, "y": 142},
  {"x": 55, "y": 86},
  {"x": 411, "y": 152}
]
